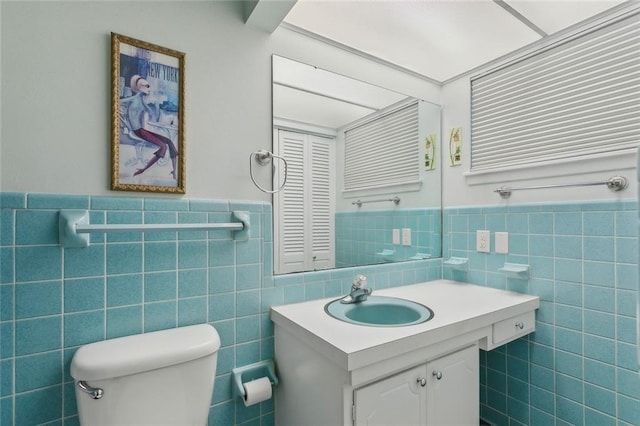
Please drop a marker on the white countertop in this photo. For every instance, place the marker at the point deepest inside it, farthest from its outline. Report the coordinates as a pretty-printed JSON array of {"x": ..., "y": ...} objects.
[{"x": 458, "y": 308}]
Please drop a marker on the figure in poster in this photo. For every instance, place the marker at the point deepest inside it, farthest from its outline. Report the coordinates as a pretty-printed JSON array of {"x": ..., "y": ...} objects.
[{"x": 138, "y": 112}]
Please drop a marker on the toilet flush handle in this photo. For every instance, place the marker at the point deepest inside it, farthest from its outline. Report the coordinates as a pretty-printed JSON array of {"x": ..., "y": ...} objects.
[{"x": 95, "y": 393}]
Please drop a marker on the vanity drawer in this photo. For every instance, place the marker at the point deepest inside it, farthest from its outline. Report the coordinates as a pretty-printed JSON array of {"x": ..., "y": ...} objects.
[{"x": 514, "y": 327}]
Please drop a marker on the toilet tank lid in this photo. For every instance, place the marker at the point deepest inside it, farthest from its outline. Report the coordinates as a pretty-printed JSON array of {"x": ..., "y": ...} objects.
[{"x": 143, "y": 352}]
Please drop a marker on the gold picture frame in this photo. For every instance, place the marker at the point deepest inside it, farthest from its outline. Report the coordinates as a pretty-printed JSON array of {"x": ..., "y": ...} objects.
[{"x": 147, "y": 117}]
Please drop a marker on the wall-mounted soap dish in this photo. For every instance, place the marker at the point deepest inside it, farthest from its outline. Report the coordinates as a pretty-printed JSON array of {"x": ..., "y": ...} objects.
[
  {"x": 457, "y": 263},
  {"x": 386, "y": 254},
  {"x": 515, "y": 270},
  {"x": 420, "y": 256}
]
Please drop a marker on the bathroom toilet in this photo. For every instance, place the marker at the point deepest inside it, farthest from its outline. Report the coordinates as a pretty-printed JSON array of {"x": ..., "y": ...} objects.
[{"x": 159, "y": 378}]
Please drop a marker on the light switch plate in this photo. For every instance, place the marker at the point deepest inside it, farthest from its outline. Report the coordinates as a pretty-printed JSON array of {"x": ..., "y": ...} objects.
[
  {"x": 483, "y": 241},
  {"x": 502, "y": 242},
  {"x": 406, "y": 236},
  {"x": 396, "y": 236}
]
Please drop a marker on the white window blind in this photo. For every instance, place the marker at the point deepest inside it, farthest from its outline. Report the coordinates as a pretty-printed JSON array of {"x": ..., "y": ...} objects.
[
  {"x": 577, "y": 98},
  {"x": 383, "y": 151}
]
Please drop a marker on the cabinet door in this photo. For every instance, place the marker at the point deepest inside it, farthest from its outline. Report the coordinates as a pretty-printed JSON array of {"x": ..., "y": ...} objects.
[
  {"x": 453, "y": 394},
  {"x": 398, "y": 400}
]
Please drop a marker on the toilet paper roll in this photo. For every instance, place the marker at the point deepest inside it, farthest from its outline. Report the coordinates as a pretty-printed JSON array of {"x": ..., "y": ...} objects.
[{"x": 256, "y": 391}]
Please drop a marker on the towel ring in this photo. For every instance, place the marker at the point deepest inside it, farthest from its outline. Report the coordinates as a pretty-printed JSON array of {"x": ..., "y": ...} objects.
[{"x": 263, "y": 157}]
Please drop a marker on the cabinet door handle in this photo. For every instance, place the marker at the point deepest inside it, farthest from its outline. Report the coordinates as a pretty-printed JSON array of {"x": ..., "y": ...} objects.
[
  {"x": 422, "y": 381},
  {"x": 437, "y": 375},
  {"x": 520, "y": 325}
]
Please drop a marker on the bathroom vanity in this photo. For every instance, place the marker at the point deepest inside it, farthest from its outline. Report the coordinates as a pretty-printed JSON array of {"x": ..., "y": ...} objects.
[{"x": 337, "y": 373}]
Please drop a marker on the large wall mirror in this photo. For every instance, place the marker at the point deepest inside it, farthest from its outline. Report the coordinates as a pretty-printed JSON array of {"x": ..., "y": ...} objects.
[{"x": 363, "y": 175}]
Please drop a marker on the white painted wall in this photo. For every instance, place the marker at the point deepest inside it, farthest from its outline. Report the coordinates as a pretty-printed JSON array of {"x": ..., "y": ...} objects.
[
  {"x": 56, "y": 74},
  {"x": 55, "y": 133},
  {"x": 56, "y": 90}
]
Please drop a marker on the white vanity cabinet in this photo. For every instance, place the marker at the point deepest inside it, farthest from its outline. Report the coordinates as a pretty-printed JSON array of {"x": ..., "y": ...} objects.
[
  {"x": 442, "y": 392},
  {"x": 336, "y": 373}
]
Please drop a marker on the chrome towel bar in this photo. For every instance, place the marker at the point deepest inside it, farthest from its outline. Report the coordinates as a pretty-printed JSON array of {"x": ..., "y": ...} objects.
[
  {"x": 616, "y": 183},
  {"x": 359, "y": 203}
]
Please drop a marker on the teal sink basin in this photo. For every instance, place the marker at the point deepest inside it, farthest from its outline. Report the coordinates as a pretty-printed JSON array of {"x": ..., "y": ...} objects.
[{"x": 380, "y": 311}]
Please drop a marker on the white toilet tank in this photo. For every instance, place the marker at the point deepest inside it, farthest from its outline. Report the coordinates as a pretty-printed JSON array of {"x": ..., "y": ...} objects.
[{"x": 160, "y": 378}]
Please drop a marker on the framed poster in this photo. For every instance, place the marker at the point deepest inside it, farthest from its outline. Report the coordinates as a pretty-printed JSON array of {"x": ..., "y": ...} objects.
[
  {"x": 147, "y": 113},
  {"x": 455, "y": 146}
]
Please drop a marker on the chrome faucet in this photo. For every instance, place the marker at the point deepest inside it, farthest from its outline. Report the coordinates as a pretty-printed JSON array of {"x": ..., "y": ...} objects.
[{"x": 358, "y": 292}]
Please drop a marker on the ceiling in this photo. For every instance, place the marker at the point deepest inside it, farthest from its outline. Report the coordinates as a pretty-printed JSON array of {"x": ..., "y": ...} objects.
[
  {"x": 307, "y": 94},
  {"x": 438, "y": 39}
]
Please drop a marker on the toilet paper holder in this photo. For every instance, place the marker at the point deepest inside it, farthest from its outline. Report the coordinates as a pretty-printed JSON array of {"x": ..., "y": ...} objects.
[{"x": 252, "y": 372}]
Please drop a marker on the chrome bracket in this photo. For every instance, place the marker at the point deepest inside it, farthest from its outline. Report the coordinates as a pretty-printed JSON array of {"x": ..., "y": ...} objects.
[
  {"x": 616, "y": 183},
  {"x": 262, "y": 157}
]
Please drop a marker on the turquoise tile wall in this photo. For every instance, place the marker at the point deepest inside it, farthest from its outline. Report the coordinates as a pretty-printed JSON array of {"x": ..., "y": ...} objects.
[
  {"x": 52, "y": 299},
  {"x": 578, "y": 368},
  {"x": 580, "y": 365},
  {"x": 361, "y": 235}
]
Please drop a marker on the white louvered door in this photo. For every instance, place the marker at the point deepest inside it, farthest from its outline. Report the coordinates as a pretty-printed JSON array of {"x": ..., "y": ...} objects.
[
  {"x": 289, "y": 208},
  {"x": 321, "y": 184},
  {"x": 303, "y": 211}
]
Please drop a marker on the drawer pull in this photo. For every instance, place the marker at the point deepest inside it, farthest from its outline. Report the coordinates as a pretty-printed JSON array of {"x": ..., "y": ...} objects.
[
  {"x": 437, "y": 375},
  {"x": 422, "y": 381},
  {"x": 520, "y": 325}
]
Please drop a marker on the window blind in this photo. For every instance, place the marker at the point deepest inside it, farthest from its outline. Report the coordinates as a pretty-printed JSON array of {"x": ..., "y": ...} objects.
[
  {"x": 383, "y": 151},
  {"x": 577, "y": 98}
]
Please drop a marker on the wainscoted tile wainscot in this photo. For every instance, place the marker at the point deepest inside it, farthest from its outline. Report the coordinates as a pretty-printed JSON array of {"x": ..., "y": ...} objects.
[
  {"x": 580, "y": 366},
  {"x": 55, "y": 299}
]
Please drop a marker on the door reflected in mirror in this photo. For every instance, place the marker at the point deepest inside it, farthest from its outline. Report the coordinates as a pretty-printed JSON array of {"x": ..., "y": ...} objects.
[{"x": 363, "y": 177}]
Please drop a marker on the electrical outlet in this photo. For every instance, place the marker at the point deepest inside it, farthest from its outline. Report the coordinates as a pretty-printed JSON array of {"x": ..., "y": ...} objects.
[
  {"x": 396, "y": 236},
  {"x": 502, "y": 242},
  {"x": 483, "y": 241},
  {"x": 406, "y": 236}
]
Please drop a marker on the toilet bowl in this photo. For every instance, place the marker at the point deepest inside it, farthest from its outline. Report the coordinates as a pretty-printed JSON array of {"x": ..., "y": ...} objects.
[{"x": 159, "y": 378}]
